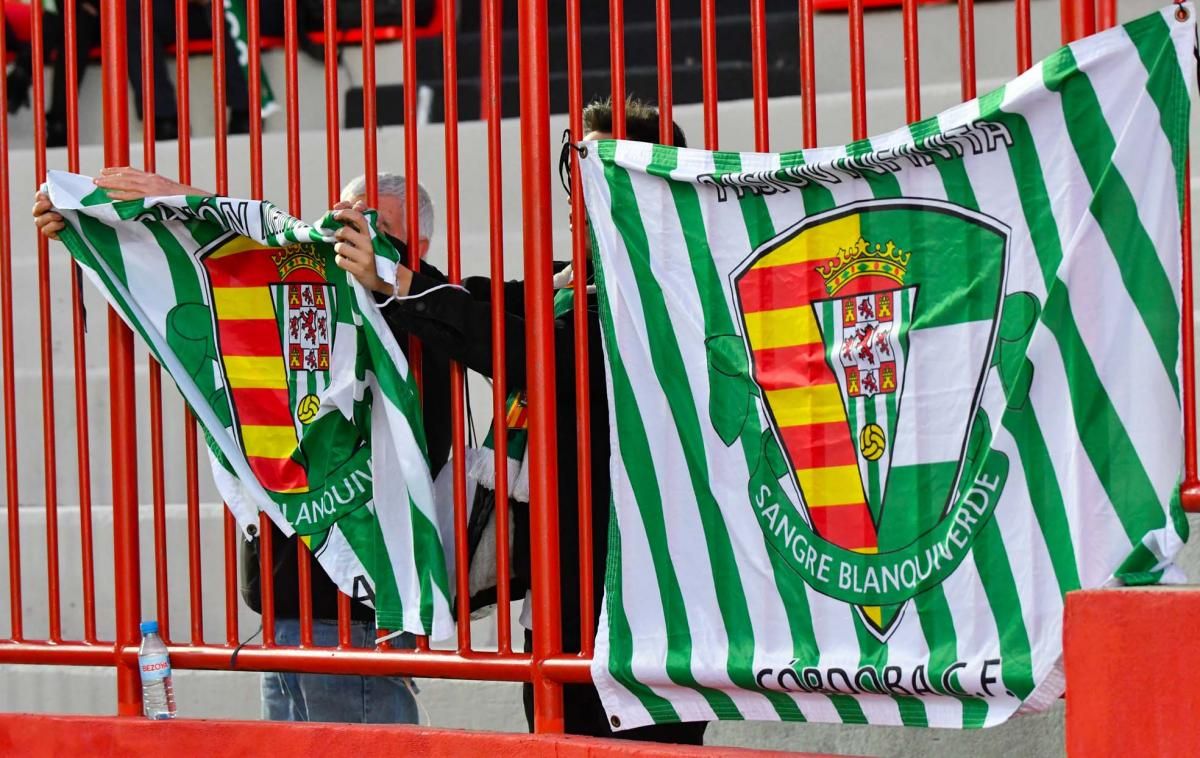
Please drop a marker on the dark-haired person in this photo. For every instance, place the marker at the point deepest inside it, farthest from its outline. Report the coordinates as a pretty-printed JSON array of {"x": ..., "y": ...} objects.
[{"x": 459, "y": 322}]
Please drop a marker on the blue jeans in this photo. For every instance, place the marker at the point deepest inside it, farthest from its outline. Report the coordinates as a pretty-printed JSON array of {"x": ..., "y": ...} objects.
[{"x": 337, "y": 697}]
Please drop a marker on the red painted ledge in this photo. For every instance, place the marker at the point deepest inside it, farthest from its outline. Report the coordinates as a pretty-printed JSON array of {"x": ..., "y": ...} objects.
[
  {"x": 1131, "y": 659},
  {"x": 93, "y": 736}
]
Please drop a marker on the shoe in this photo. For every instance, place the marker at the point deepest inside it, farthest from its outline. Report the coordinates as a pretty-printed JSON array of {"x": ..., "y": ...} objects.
[
  {"x": 17, "y": 82},
  {"x": 239, "y": 122}
]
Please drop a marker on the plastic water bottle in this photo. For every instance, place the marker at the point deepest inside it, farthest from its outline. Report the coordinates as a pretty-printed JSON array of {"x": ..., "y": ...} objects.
[{"x": 158, "y": 697}]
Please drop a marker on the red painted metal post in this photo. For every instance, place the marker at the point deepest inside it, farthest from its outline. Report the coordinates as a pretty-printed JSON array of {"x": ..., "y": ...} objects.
[
  {"x": 858, "y": 73},
  {"x": 912, "y": 63},
  {"x": 539, "y": 252},
  {"x": 492, "y": 62},
  {"x": 123, "y": 445},
  {"x": 708, "y": 70},
  {"x": 412, "y": 218},
  {"x": 157, "y": 472},
  {"x": 579, "y": 261},
  {"x": 808, "y": 76},
  {"x": 291, "y": 53},
  {"x": 220, "y": 96},
  {"x": 49, "y": 447},
  {"x": 195, "y": 578},
  {"x": 12, "y": 500},
  {"x": 458, "y": 441},
  {"x": 758, "y": 69},
  {"x": 1078, "y": 19},
  {"x": 1106, "y": 14},
  {"x": 966, "y": 47},
  {"x": 254, "y": 89},
  {"x": 183, "y": 109},
  {"x": 616, "y": 64},
  {"x": 1024, "y": 36},
  {"x": 1191, "y": 487},
  {"x": 666, "y": 134},
  {"x": 333, "y": 168}
]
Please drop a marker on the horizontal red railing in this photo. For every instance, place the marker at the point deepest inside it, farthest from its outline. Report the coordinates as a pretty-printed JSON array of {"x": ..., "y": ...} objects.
[{"x": 548, "y": 666}]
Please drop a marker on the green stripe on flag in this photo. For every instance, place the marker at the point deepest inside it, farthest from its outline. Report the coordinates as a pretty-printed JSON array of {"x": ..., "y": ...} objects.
[
  {"x": 620, "y": 638},
  {"x": 1152, "y": 38},
  {"x": 1115, "y": 208},
  {"x": 634, "y": 449}
]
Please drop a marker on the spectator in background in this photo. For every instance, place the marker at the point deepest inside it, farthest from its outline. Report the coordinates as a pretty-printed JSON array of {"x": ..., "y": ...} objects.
[
  {"x": 166, "y": 119},
  {"x": 20, "y": 75}
]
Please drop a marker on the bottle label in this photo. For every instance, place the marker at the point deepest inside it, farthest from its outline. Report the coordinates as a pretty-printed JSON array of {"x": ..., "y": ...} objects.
[{"x": 154, "y": 667}]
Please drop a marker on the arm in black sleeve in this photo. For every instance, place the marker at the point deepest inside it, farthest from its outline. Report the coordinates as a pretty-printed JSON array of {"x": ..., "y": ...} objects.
[{"x": 451, "y": 320}]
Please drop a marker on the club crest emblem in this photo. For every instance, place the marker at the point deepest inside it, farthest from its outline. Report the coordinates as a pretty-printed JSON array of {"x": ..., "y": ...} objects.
[
  {"x": 275, "y": 323},
  {"x": 870, "y": 331}
]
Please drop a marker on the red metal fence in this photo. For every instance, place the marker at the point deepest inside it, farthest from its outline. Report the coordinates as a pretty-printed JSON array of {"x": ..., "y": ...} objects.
[{"x": 547, "y": 666}]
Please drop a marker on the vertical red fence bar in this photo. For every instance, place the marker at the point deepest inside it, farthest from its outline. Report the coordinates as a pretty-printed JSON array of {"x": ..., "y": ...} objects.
[
  {"x": 662, "y": 24},
  {"x": 492, "y": 63},
  {"x": 49, "y": 453},
  {"x": 221, "y": 154},
  {"x": 1106, "y": 14},
  {"x": 1078, "y": 19},
  {"x": 1191, "y": 490},
  {"x": 266, "y": 577},
  {"x": 12, "y": 500},
  {"x": 858, "y": 73},
  {"x": 291, "y": 52},
  {"x": 412, "y": 219},
  {"x": 808, "y": 76},
  {"x": 157, "y": 474},
  {"x": 616, "y": 53},
  {"x": 123, "y": 447},
  {"x": 191, "y": 465},
  {"x": 579, "y": 261},
  {"x": 192, "y": 481},
  {"x": 539, "y": 252},
  {"x": 82, "y": 445},
  {"x": 458, "y": 443},
  {"x": 758, "y": 69},
  {"x": 1024, "y": 36},
  {"x": 966, "y": 47},
  {"x": 333, "y": 164},
  {"x": 708, "y": 70},
  {"x": 912, "y": 63}
]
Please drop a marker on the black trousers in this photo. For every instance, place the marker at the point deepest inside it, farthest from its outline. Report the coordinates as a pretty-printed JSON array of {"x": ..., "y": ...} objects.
[
  {"x": 583, "y": 714},
  {"x": 236, "y": 92}
]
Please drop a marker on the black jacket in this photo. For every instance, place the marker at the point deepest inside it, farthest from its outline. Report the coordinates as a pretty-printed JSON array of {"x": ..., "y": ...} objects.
[
  {"x": 435, "y": 400},
  {"x": 459, "y": 323}
]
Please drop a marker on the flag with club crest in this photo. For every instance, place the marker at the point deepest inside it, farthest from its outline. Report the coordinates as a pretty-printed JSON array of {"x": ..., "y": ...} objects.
[
  {"x": 875, "y": 409},
  {"x": 309, "y": 409}
]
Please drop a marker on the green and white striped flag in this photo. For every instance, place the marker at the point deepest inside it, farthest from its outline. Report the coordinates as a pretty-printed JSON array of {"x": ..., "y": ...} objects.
[
  {"x": 305, "y": 397},
  {"x": 877, "y": 408}
]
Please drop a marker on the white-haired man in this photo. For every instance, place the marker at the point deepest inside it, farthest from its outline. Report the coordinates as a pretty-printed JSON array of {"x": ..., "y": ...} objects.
[{"x": 320, "y": 697}]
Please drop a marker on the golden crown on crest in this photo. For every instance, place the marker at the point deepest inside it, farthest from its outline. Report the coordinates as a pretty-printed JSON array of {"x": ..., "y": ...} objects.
[
  {"x": 864, "y": 259},
  {"x": 293, "y": 257}
]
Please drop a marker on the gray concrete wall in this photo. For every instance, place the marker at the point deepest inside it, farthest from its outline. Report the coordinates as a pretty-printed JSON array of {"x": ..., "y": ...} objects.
[{"x": 492, "y": 705}]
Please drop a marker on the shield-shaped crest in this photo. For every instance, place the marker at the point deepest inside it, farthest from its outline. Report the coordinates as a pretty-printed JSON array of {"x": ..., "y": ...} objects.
[
  {"x": 869, "y": 330},
  {"x": 274, "y": 317}
]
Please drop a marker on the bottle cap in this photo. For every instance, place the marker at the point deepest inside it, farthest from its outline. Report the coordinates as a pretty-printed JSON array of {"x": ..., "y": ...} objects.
[{"x": 149, "y": 627}]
